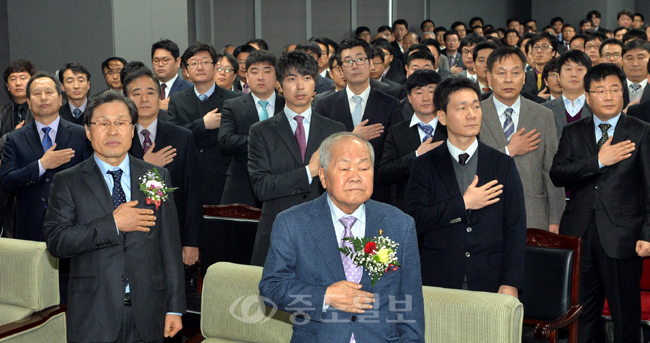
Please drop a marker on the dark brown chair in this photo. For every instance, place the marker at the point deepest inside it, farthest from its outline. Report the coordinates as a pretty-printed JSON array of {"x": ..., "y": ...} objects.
[{"x": 551, "y": 284}]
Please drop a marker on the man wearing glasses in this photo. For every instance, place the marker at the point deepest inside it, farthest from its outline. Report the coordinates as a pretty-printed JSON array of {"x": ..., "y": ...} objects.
[
  {"x": 604, "y": 160},
  {"x": 360, "y": 108},
  {"x": 111, "y": 68},
  {"x": 611, "y": 51},
  {"x": 226, "y": 71},
  {"x": 199, "y": 109},
  {"x": 544, "y": 48},
  {"x": 165, "y": 58}
]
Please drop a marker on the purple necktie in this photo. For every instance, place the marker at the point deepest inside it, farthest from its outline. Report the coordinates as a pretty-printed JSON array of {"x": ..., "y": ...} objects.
[
  {"x": 352, "y": 272},
  {"x": 300, "y": 136},
  {"x": 147, "y": 140},
  {"x": 162, "y": 91},
  {"x": 247, "y": 89}
]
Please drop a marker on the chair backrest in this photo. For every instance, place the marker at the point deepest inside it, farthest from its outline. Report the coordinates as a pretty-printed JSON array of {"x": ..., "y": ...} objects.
[
  {"x": 229, "y": 234},
  {"x": 29, "y": 278},
  {"x": 551, "y": 275},
  {"x": 232, "y": 309}
]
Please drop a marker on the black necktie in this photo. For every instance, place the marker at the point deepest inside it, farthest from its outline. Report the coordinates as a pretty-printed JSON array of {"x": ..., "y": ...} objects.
[
  {"x": 118, "y": 192},
  {"x": 462, "y": 158}
]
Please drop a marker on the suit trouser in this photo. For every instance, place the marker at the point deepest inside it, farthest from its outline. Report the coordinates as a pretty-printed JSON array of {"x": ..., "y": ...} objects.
[{"x": 617, "y": 279}]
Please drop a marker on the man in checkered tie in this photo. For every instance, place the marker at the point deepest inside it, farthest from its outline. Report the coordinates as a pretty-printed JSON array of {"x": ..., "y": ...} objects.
[{"x": 338, "y": 302}]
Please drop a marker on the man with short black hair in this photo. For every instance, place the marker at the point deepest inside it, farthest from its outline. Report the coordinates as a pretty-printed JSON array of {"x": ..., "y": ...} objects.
[
  {"x": 611, "y": 51},
  {"x": 377, "y": 68},
  {"x": 638, "y": 22},
  {"x": 641, "y": 110},
  {"x": 592, "y": 46},
  {"x": 363, "y": 32},
  {"x": 325, "y": 55},
  {"x": 427, "y": 26},
  {"x": 578, "y": 43},
  {"x": 258, "y": 44},
  {"x": 111, "y": 68},
  {"x": 400, "y": 29},
  {"x": 393, "y": 68},
  {"x": 75, "y": 83},
  {"x": 459, "y": 27},
  {"x": 199, "y": 109},
  {"x": 452, "y": 43},
  {"x": 552, "y": 79},
  {"x": 568, "y": 32},
  {"x": 313, "y": 49},
  {"x": 412, "y": 138},
  {"x": 557, "y": 23},
  {"x": 544, "y": 47},
  {"x": 624, "y": 18},
  {"x": 442, "y": 64},
  {"x": 466, "y": 48},
  {"x": 226, "y": 71},
  {"x": 594, "y": 16},
  {"x": 636, "y": 55},
  {"x": 634, "y": 34},
  {"x": 165, "y": 58},
  {"x": 480, "y": 55},
  {"x": 416, "y": 60},
  {"x": 585, "y": 24},
  {"x": 241, "y": 53}
]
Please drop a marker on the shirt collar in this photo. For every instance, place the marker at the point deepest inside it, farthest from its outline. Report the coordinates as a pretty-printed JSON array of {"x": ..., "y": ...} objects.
[
  {"x": 577, "y": 102},
  {"x": 152, "y": 128},
  {"x": 54, "y": 125},
  {"x": 290, "y": 114},
  {"x": 642, "y": 83},
  {"x": 104, "y": 167},
  {"x": 82, "y": 108},
  {"x": 501, "y": 107},
  {"x": 415, "y": 120},
  {"x": 359, "y": 213},
  {"x": 611, "y": 122},
  {"x": 169, "y": 83},
  {"x": 364, "y": 95},
  {"x": 454, "y": 151},
  {"x": 208, "y": 93},
  {"x": 271, "y": 100}
]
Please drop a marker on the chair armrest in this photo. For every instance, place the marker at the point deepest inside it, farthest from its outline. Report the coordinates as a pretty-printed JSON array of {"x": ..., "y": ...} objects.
[
  {"x": 33, "y": 320},
  {"x": 195, "y": 339},
  {"x": 544, "y": 330}
]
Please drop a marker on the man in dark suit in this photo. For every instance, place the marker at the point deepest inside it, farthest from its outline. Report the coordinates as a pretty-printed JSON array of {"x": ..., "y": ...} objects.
[
  {"x": 605, "y": 160},
  {"x": 283, "y": 150},
  {"x": 452, "y": 43},
  {"x": 594, "y": 16},
  {"x": 393, "y": 67},
  {"x": 400, "y": 29},
  {"x": 640, "y": 111},
  {"x": 75, "y": 83},
  {"x": 126, "y": 277},
  {"x": 416, "y": 60},
  {"x": 636, "y": 54},
  {"x": 198, "y": 109},
  {"x": 470, "y": 194},
  {"x": 544, "y": 47},
  {"x": 377, "y": 68},
  {"x": 241, "y": 53},
  {"x": 34, "y": 153},
  {"x": 167, "y": 145},
  {"x": 165, "y": 58},
  {"x": 360, "y": 108},
  {"x": 111, "y": 67},
  {"x": 344, "y": 304},
  {"x": 323, "y": 84},
  {"x": 415, "y": 137},
  {"x": 238, "y": 116}
]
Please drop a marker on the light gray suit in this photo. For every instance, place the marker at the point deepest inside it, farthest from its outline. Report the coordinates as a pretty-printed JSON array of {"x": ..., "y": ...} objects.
[
  {"x": 544, "y": 202},
  {"x": 559, "y": 113}
]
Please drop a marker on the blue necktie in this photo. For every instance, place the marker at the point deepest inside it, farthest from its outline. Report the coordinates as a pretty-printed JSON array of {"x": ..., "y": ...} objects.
[
  {"x": 428, "y": 130},
  {"x": 118, "y": 192},
  {"x": 76, "y": 113},
  {"x": 357, "y": 114},
  {"x": 263, "y": 114},
  {"x": 202, "y": 97},
  {"x": 508, "y": 124},
  {"x": 47, "y": 141}
]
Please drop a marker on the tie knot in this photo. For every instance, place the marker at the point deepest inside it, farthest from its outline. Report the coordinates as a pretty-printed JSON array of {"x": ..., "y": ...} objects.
[
  {"x": 462, "y": 158},
  {"x": 202, "y": 97},
  {"x": 46, "y": 130},
  {"x": 163, "y": 86},
  {"x": 357, "y": 99},
  {"x": 635, "y": 87},
  {"x": 145, "y": 133},
  {"x": 508, "y": 112},
  {"x": 116, "y": 174},
  {"x": 298, "y": 119},
  {"x": 76, "y": 112},
  {"x": 263, "y": 103},
  {"x": 604, "y": 127},
  {"x": 348, "y": 221}
]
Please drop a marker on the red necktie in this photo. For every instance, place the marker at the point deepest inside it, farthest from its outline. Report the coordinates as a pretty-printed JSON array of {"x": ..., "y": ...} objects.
[
  {"x": 162, "y": 91},
  {"x": 300, "y": 137}
]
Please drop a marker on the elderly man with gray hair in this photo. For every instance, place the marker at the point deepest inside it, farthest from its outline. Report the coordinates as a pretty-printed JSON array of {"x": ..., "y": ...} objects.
[{"x": 342, "y": 302}]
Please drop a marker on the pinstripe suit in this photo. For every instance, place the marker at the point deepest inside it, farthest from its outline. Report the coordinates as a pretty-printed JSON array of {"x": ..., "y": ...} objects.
[
  {"x": 559, "y": 113},
  {"x": 544, "y": 202}
]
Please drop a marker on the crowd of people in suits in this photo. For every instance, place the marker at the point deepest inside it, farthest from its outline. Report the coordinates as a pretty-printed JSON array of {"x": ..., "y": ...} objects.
[{"x": 475, "y": 132}]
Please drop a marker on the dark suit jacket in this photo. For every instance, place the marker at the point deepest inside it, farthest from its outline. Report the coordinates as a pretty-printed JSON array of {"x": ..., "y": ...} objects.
[
  {"x": 530, "y": 84},
  {"x": 7, "y": 120},
  {"x": 19, "y": 172},
  {"x": 79, "y": 224},
  {"x": 398, "y": 56},
  {"x": 186, "y": 175},
  {"x": 304, "y": 259},
  {"x": 406, "y": 109},
  {"x": 277, "y": 172},
  {"x": 399, "y": 151},
  {"x": 185, "y": 109},
  {"x": 458, "y": 62},
  {"x": 392, "y": 84},
  {"x": 626, "y": 95},
  {"x": 488, "y": 244},
  {"x": 66, "y": 114},
  {"x": 236, "y": 119},
  {"x": 619, "y": 194},
  {"x": 381, "y": 108},
  {"x": 640, "y": 111},
  {"x": 398, "y": 93},
  {"x": 179, "y": 84},
  {"x": 323, "y": 84},
  {"x": 395, "y": 75}
]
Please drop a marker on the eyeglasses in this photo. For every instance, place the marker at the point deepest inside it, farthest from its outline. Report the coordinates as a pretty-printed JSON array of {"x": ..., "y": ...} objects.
[
  {"x": 613, "y": 92},
  {"x": 359, "y": 61},
  {"x": 204, "y": 64},
  {"x": 164, "y": 61},
  {"x": 610, "y": 55},
  {"x": 577, "y": 46},
  {"x": 113, "y": 72},
  {"x": 592, "y": 46},
  {"x": 105, "y": 124},
  {"x": 226, "y": 70},
  {"x": 541, "y": 47}
]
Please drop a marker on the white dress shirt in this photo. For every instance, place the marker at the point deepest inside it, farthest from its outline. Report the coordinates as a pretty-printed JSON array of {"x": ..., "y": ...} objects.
[
  {"x": 575, "y": 106},
  {"x": 455, "y": 151},
  {"x": 415, "y": 121}
]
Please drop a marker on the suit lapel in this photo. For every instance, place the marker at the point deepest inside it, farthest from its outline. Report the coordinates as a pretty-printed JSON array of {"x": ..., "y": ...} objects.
[
  {"x": 493, "y": 124},
  {"x": 95, "y": 182},
  {"x": 371, "y": 105},
  {"x": 282, "y": 127},
  {"x": 485, "y": 164},
  {"x": 34, "y": 139},
  {"x": 374, "y": 223},
  {"x": 445, "y": 169},
  {"x": 589, "y": 134},
  {"x": 248, "y": 105},
  {"x": 413, "y": 137},
  {"x": 622, "y": 129},
  {"x": 646, "y": 94},
  {"x": 323, "y": 233},
  {"x": 526, "y": 118},
  {"x": 63, "y": 134},
  {"x": 279, "y": 103},
  {"x": 440, "y": 134},
  {"x": 559, "y": 113},
  {"x": 343, "y": 110},
  {"x": 315, "y": 135},
  {"x": 137, "y": 170}
]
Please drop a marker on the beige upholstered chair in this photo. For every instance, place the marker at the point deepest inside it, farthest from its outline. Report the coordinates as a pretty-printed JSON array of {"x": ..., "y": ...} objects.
[
  {"x": 29, "y": 294},
  {"x": 231, "y": 312}
]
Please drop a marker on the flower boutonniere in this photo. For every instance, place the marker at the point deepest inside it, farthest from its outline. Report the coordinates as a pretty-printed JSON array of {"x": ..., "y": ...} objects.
[
  {"x": 376, "y": 255},
  {"x": 154, "y": 188}
]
